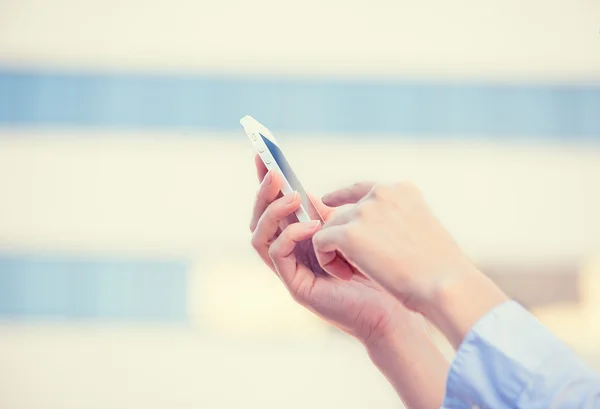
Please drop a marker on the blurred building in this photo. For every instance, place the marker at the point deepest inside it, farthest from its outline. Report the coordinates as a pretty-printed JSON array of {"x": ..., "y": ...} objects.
[{"x": 126, "y": 278}]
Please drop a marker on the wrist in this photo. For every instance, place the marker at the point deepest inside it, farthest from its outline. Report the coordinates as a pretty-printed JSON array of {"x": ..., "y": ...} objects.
[
  {"x": 457, "y": 302},
  {"x": 411, "y": 362},
  {"x": 410, "y": 330}
]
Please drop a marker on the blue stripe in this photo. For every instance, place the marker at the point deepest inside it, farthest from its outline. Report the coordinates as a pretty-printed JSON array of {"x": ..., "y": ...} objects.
[
  {"x": 140, "y": 101},
  {"x": 57, "y": 288}
]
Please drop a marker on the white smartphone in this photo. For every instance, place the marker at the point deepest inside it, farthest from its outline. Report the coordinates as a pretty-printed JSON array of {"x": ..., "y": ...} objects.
[{"x": 272, "y": 156}]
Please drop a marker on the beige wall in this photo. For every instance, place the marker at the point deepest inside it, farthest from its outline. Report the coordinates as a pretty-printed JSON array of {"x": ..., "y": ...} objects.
[{"x": 535, "y": 40}]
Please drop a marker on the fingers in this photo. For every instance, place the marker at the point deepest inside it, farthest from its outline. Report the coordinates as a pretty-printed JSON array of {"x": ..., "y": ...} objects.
[
  {"x": 261, "y": 169},
  {"x": 268, "y": 223},
  {"x": 347, "y": 195},
  {"x": 329, "y": 244},
  {"x": 267, "y": 193},
  {"x": 341, "y": 217},
  {"x": 323, "y": 210},
  {"x": 335, "y": 265},
  {"x": 281, "y": 251}
]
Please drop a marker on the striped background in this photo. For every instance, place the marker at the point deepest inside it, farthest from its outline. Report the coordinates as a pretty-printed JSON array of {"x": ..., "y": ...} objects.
[
  {"x": 125, "y": 181},
  {"x": 140, "y": 101},
  {"x": 384, "y": 110}
]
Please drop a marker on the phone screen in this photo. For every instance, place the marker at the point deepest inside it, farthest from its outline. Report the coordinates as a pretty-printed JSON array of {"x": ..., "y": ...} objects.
[{"x": 291, "y": 177}]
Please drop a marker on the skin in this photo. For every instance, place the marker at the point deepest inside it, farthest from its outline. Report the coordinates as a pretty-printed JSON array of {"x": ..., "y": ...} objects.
[
  {"x": 395, "y": 337},
  {"x": 391, "y": 236}
]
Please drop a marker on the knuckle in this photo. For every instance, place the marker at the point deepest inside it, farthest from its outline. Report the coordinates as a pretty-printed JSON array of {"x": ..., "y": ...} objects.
[
  {"x": 274, "y": 213},
  {"x": 273, "y": 251},
  {"x": 317, "y": 240},
  {"x": 268, "y": 213},
  {"x": 255, "y": 241},
  {"x": 275, "y": 247},
  {"x": 365, "y": 209},
  {"x": 380, "y": 191},
  {"x": 259, "y": 196},
  {"x": 407, "y": 188},
  {"x": 351, "y": 233}
]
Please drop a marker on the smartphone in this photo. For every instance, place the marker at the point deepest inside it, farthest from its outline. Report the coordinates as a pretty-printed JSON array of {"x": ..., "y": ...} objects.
[{"x": 272, "y": 156}]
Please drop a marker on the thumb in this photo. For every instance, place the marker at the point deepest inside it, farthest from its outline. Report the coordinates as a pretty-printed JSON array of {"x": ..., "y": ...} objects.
[{"x": 347, "y": 195}]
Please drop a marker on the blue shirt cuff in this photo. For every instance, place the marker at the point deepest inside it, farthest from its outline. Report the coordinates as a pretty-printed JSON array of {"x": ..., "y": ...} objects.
[{"x": 499, "y": 359}]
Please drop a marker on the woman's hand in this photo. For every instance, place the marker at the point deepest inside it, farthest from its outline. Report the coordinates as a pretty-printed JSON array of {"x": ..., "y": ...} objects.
[
  {"x": 396, "y": 338},
  {"x": 391, "y": 236},
  {"x": 356, "y": 304}
]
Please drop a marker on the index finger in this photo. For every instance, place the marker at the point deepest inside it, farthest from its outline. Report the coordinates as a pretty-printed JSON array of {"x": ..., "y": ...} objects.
[
  {"x": 323, "y": 210},
  {"x": 348, "y": 195}
]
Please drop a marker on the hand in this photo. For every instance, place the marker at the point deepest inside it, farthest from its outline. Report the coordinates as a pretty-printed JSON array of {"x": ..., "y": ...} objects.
[
  {"x": 396, "y": 339},
  {"x": 391, "y": 236},
  {"x": 356, "y": 304}
]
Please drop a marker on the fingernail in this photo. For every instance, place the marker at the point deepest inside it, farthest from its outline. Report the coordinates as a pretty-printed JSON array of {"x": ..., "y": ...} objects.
[
  {"x": 292, "y": 197},
  {"x": 270, "y": 177}
]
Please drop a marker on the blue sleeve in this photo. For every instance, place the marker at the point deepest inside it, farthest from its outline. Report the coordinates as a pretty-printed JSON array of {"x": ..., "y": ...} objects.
[{"x": 510, "y": 360}]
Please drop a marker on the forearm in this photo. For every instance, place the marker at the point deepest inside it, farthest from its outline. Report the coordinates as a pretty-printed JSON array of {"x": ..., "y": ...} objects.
[
  {"x": 414, "y": 367},
  {"x": 456, "y": 304}
]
